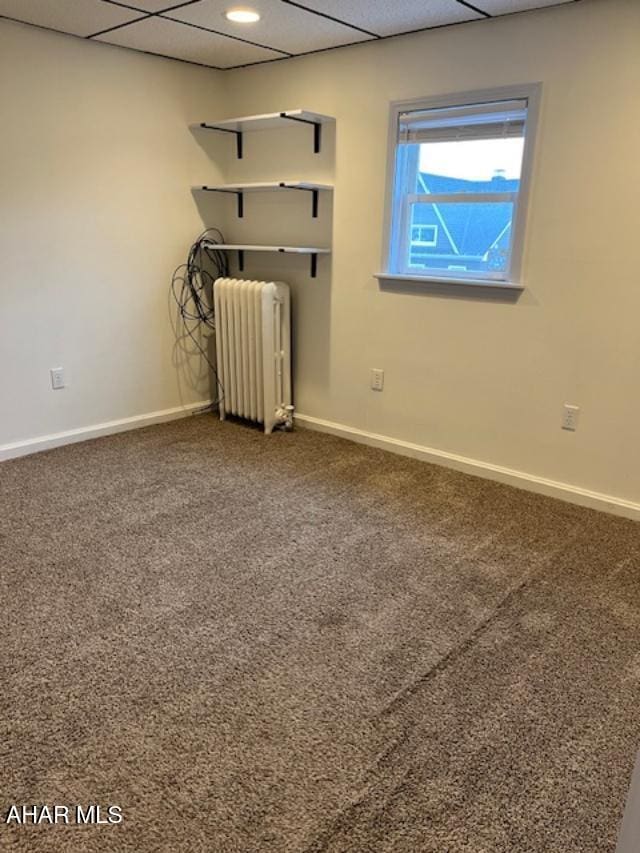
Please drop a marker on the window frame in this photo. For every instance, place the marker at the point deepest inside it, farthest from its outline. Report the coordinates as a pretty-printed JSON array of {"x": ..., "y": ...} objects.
[
  {"x": 430, "y": 243},
  {"x": 393, "y": 241}
]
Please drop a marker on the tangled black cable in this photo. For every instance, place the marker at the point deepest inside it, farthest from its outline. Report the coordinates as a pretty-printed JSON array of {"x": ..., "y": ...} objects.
[{"x": 192, "y": 288}]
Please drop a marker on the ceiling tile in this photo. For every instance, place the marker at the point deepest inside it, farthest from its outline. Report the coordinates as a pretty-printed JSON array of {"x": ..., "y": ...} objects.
[
  {"x": 149, "y": 5},
  {"x": 504, "y": 7},
  {"x": 401, "y": 16},
  {"x": 168, "y": 38},
  {"x": 79, "y": 17},
  {"x": 281, "y": 25}
]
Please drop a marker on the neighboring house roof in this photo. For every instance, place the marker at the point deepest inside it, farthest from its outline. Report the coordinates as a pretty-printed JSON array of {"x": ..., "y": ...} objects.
[{"x": 466, "y": 229}]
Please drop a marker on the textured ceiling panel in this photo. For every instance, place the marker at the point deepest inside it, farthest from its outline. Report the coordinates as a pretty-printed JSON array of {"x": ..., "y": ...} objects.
[
  {"x": 79, "y": 17},
  {"x": 401, "y": 16},
  {"x": 281, "y": 25},
  {"x": 505, "y": 7},
  {"x": 148, "y": 5},
  {"x": 286, "y": 26},
  {"x": 167, "y": 38}
]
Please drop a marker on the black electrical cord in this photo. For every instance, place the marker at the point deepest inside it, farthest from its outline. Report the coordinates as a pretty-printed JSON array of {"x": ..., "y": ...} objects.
[{"x": 192, "y": 288}]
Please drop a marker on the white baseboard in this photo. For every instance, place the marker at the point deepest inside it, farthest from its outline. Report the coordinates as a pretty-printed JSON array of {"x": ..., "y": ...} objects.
[
  {"x": 46, "y": 442},
  {"x": 520, "y": 479}
]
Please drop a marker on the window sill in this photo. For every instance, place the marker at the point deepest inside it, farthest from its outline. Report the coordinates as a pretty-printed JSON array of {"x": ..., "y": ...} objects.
[{"x": 433, "y": 279}]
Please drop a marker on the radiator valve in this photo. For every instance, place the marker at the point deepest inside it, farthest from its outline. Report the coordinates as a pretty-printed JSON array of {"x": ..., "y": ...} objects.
[{"x": 285, "y": 417}]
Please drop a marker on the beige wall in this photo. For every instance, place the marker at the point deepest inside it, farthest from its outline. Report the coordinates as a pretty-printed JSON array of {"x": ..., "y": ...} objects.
[
  {"x": 466, "y": 373},
  {"x": 95, "y": 212},
  {"x": 96, "y": 161}
]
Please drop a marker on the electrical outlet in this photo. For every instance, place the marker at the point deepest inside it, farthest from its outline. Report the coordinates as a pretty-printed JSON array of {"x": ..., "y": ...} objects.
[
  {"x": 57, "y": 378},
  {"x": 377, "y": 379},
  {"x": 570, "y": 417}
]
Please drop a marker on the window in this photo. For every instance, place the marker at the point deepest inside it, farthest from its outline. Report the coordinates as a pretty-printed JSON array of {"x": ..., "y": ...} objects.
[{"x": 460, "y": 183}]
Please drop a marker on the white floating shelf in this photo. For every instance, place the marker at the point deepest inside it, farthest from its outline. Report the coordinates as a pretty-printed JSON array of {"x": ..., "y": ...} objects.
[
  {"x": 239, "y": 189},
  {"x": 241, "y": 248},
  {"x": 267, "y": 121}
]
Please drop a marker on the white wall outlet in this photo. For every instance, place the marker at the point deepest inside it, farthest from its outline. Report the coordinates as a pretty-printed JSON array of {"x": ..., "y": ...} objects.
[
  {"x": 377, "y": 379},
  {"x": 570, "y": 417},
  {"x": 57, "y": 378}
]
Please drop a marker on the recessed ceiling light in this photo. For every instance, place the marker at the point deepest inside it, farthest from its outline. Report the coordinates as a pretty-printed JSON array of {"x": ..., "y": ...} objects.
[{"x": 242, "y": 15}]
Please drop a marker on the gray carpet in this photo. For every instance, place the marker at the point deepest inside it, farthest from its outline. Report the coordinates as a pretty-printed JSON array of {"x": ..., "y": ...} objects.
[{"x": 296, "y": 643}]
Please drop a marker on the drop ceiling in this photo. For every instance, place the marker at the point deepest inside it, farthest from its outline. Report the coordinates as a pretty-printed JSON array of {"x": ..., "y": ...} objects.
[{"x": 197, "y": 30}]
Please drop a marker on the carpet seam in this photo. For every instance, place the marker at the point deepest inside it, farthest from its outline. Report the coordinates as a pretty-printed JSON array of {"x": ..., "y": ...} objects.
[{"x": 457, "y": 652}]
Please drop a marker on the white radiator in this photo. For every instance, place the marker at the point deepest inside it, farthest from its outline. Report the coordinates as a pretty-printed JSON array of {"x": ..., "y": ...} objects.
[{"x": 253, "y": 350}]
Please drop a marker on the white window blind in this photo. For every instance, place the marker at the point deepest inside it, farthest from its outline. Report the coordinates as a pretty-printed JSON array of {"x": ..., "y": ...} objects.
[{"x": 498, "y": 120}]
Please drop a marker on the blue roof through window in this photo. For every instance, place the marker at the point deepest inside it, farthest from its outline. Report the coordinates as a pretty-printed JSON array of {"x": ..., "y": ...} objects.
[{"x": 466, "y": 229}]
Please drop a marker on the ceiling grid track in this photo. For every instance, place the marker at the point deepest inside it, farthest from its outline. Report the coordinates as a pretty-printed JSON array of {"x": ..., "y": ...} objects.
[
  {"x": 330, "y": 18},
  {"x": 474, "y": 8},
  {"x": 119, "y": 26},
  {"x": 285, "y": 53}
]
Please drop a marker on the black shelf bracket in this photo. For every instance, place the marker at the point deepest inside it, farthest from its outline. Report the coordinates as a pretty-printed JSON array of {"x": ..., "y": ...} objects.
[
  {"x": 241, "y": 260},
  {"x": 237, "y": 133},
  {"x": 314, "y": 196},
  {"x": 239, "y": 195},
  {"x": 317, "y": 130},
  {"x": 314, "y": 263}
]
